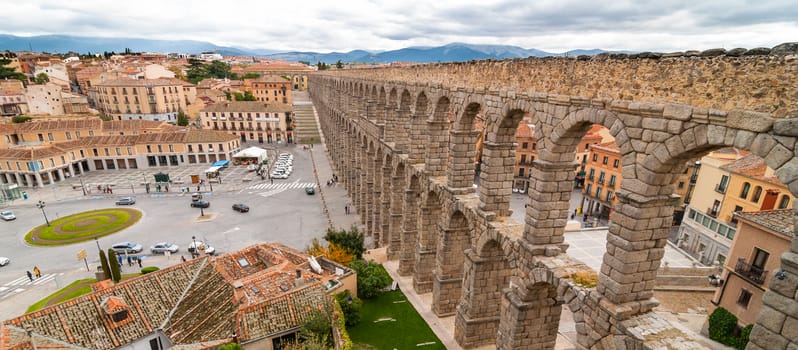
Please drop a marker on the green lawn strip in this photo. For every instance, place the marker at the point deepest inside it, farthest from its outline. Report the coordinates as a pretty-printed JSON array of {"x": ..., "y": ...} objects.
[
  {"x": 73, "y": 290},
  {"x": 405, "y": 329},
  {"x": 47, "y": 236}
]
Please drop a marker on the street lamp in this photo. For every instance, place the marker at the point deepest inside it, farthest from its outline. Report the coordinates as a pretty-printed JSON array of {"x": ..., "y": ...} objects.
[
  {"x": 40, "y": 205},
  {"x": 82, "y": 186},
  {"x": 194, "y": 240},
  {"x": 202, "y": 211}
]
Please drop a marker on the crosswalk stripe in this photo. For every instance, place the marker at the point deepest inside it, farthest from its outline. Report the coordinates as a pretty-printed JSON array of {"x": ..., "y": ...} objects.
[{"x": 24, "y": 281}]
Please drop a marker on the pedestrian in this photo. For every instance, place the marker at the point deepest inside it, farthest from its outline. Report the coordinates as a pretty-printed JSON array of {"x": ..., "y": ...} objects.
[
  {"x": 37, "y": 272},
  {"x": 119, "y": 259},
  {"x": 271, "y": 180},
  {"x": 139, "y": 261},
  {"x": 183, "y": 257},
  {"x": 110, "y": 190},
  {"x": 129, "y": 261},
  {"x": 198, "y": 187},
  {"x": 30, "y": 275},
  {"x": 346, "y": 209}
]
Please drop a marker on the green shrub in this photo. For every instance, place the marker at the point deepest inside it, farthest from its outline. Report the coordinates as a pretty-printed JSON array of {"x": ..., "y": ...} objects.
[
  {"x": 317, "y": 329},
  {"x": 116, "y": 273},
  {"x": 20, "y": 119},
  {"x": 231, "y": 346},
  {"x": 350, "y": 307},
  {"x": 351, "y": 240},
  {"x": 149, "y": 269},
  {"x": 722, "y": 328},
  {"x": 371, "y": 278}
]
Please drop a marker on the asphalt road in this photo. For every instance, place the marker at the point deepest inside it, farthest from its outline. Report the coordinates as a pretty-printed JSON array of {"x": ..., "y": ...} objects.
[{"x": 279, "y": 211}]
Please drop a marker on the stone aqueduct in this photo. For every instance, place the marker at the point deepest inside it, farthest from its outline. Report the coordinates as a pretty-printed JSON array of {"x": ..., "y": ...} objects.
[{"x": 402, "y": 141}]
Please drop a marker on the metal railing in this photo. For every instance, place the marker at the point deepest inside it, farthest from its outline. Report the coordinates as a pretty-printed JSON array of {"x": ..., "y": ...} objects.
[{"x": 750, "y": 272}]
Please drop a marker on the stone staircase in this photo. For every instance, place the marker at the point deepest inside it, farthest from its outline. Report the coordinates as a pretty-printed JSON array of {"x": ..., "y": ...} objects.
[{"x": 306, "y": 129}]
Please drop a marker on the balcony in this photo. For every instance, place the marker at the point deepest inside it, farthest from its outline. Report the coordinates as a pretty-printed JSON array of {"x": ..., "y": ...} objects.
[
  {"x": 720, "y": 189},
  {"x": 750, "y": 272},
  {"x": 712, "y": 212}
]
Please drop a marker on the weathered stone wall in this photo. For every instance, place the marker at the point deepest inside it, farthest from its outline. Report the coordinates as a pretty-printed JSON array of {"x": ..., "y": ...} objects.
[{"x": 730, "y": 81}]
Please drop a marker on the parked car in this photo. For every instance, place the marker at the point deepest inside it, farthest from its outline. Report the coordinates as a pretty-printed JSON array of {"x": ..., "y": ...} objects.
[
  {"x": 7, "y": 215},
  {"x": 163, "y": 247},
  {"x": 200, "y": 246},
  {"x": 240, "y": 207},
  {"x": 310, "y": 190},
  {"x": 126, "y": 201},
  {"x": 200, "y": 204},
  {"x": 4, "y": 261},
  {"x": 127, "y": 248}
]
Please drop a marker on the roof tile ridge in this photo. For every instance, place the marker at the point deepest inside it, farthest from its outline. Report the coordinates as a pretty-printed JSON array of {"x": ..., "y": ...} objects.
[
  {"x": 64, "y": 325},
  {"x": 54, "y": 340},
  {"x": 105, "y": 320},
  {"x": 185, "y": 292},
  {"x": 141, "y": 312}
]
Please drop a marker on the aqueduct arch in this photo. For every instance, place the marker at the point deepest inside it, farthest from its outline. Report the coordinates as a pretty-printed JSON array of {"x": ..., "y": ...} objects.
[{"x": 410, "y": 168}]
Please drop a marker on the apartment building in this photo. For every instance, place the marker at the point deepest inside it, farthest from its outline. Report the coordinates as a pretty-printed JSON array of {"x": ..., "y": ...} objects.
[
  {"x": 36, "y": 154},
  {"x": 146, "y": 99},
  {"x": 271, "y": 89},
  {"x": 753, "y": 261},
  {"x": 728, "y": 181},
  {"x": 250, "y": 120},
  {"x": 603, "y": 178},
  {"x": 12, "y": 98}
]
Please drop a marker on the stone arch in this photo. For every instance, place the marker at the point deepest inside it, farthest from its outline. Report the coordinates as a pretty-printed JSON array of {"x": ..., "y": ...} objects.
[
  {"x": 418, "y": 130},
  {"x": 409, "y": 234},
  {"x": 530, "y": 314},
  {"x": 453, "y": 241},
  {"x": 487, "y": 271},
  {"x": 401, "y": 128},
  {"x": 463, "y": 146},
  {"x": 498, "y": 160},
  {"x": 382, "y": 104},
  {"x": 395, "y": 189},
  {"x": 436, "y": 152},
  {"x": 429, "y": 222}
]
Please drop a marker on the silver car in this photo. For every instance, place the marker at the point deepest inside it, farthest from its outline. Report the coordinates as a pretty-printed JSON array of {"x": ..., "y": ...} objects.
[
  {"x": 163, "y": 247},
  {"x": 7, "y": 215},
  {"x": 127, "y": 248}
]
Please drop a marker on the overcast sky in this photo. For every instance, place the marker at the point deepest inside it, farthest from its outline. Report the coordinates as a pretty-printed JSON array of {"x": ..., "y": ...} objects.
[{"x": 343, "y": 25}]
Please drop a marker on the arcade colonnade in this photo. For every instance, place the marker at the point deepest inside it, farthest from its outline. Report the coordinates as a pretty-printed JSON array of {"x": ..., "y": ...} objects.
[{"x": 405, "y": 153}]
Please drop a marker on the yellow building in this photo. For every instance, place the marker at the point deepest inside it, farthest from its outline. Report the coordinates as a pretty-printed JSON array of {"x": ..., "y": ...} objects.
[
  {"x": 45, "y": 152},
  {"x": 147, "y": 99},
  {"x": 250, "y": 120},
  {"x": 762, "y": 237},
  {"x": 271, "y": 89},
  {"x": 602, "y": 180},
  {"x": 753, "y": 186}
]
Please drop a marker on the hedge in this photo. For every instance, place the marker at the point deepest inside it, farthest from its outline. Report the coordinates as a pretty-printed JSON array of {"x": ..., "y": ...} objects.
[
  {"x": 723, "y": 326},
  {"x": 149, "y": 269}
]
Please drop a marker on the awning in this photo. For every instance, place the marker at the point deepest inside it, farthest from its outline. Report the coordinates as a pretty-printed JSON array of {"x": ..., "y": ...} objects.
[
  {"x": 221, "y": 163},
  {"x": 213, "y": 169}
]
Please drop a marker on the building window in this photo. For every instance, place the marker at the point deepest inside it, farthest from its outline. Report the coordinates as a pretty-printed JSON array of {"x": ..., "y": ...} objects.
[
  {"x": 221, "y": 147},
  {"x": 129, "y": 151},
  {"x": 91, "y": 132},
  {"x": 149, "y": 149},
  {"x": 190, "y": 149},
  {"x": 171, "y": 148},
  {"x": 595, "y": 157},
  {"x": 757, "y": 194},
  {"x": 785, "y": 202},
  {"x": 746, "y": 189},
  {"x": 601, "y": 177},
  {"x": 745, "y": 297},
  {"x": 521, "y": 172},
  {"x": 609, "y": 196},
  {"x": 724, "y": 181},
  {"x": 77, "y": 134},
  {"x": 591, "y": 174},
  {"x": 118, "y": 151},
  {"x": 534, "y": 145},
  {"x": 605, "y": 160},
  {"x": 95, "y": 152},
  {"x": 612, "y": 180},
  {"x": 598, "y": 192},
  {"x": 760, "y": 259},
  {"x": 523, "y": 158},
  {"x": 616, "y": 163},
  {"x": 68, "y": 135},
  {"x": 588, "y": 189},
  {"x": 681, "y": 185}
]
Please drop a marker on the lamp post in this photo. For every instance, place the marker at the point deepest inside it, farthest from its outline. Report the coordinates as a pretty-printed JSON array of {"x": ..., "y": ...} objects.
[
  {"x": 202, "y": 211},
  {"x": 82, "y": 186},
  {"x": 194, "y": 244},
  {"x": 41, "y": 206}
]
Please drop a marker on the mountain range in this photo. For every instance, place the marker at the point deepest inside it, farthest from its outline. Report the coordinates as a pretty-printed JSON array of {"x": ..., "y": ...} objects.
[{"x": 446, "y": 53}]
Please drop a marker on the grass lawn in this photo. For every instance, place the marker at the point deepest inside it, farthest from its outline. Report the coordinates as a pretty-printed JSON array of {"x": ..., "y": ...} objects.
[
  {"x": 404, "y": 329},
  {"x": 73, "y": 290},
  {"x": 83, "y": 226}
]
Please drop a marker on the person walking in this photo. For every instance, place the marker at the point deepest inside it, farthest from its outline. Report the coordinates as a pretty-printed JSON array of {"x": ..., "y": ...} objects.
[
  {"x": 129, "y": 261},
  {"x": 30, "y": 275},
  {"x": 139, "y": 261},
  {"x": 37, "y": 272}
]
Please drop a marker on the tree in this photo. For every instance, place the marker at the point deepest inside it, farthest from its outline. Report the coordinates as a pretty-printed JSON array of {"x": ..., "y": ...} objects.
[
  {"x": 178, "y": 72},
  {"x": 7, "y": 72},
  {"x": 20, "y": 119},
  {"x": 371, "y": 278},
  {"x": 116, "y": 275},
  {"x": 322, "y": 65},
  {"x": 104, "y": 264},
  {"x": 182, "y": 119},
  {"x": 246, "y": 96},
  {"x": 228, "y": 95},
  {"x": 41, "y": 78},
  {"x": 333, "y": 252},
  {"x": 318, "y": 327},
  {"x": 218, "y": 69},
  {"x": 196, "y": 70},
  {"x": 231, "y": 346},
  {"x": 350, "y": 305},
  {"x": 251, "y": 76},
  {"x": 339, "y": 64},
  {"x": 351, "y": 240}
]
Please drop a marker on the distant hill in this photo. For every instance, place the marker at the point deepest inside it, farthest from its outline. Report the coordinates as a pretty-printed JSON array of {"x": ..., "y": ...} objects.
[{"x": 447, "y": 53}]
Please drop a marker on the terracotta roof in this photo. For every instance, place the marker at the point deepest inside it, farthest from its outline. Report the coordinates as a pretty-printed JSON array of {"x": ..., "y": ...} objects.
[
  {"x": 271, "y": 79},
  {"x": 525, "y": 130},
  {"x": 60, "y": 124},
  {"x": 606, "y": 146},
  {"x": 780, "y": 221},
  {"x": 754, "y": 167},
  {"x": 225, "y": 288},
  {"x": 247, "y": 106}
]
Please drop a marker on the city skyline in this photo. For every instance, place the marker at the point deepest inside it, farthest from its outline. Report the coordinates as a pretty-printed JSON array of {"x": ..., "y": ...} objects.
[{"x": 384, "y": 25}]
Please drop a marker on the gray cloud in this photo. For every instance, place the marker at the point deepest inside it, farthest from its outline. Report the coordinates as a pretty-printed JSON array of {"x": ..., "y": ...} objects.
[{"x": 385, "y": 24}]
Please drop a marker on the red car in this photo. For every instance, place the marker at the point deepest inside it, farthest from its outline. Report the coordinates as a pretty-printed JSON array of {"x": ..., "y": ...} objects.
[{"x": 241, "y": 208}]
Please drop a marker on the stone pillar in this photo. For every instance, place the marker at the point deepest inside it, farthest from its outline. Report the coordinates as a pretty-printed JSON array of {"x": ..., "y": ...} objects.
[
  {"x": 367, "y": 198},
  {"x": 635, "y": 246},
  {"x": 38, "y": 178},
  {"x": 390, "y": 112},
  {"x": 376, "y": 199},
  {"x": 435, "y": 150},
  {"x": 776, "y": 326},
  {"x": 477, "y": 321},
  {"x": 385, "y": 210},
  {"x": 529, "y": 318},
  {"x": 402, "y": 130},
  {"x": 418, "y": 140},
  {"x": 409, "y": 237},
  {"x": 395, "y": 229},
  {"x": 449, "y": 258},
  {"x": 496, "y": 177},
  {"x": 428, "y": 231},
  {"x": 550, "y": 188},
  {"x": 19, "y": 179},
  {"x": 60, "y": 174},
  {"x": 462, "y": 150}
]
